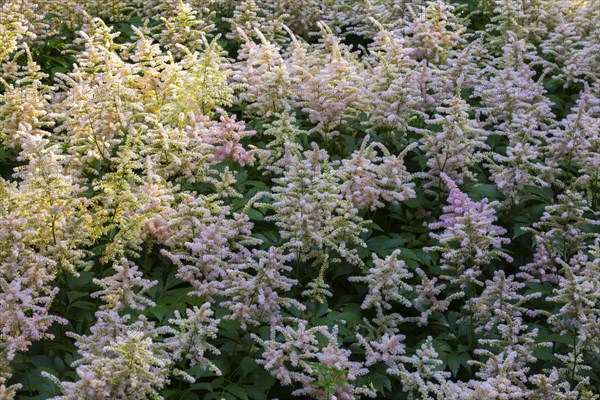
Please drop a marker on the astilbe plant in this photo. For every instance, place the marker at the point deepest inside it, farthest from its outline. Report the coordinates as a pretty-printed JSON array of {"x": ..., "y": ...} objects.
[
  {"x": 191, "y": 340},
  {"x": 578, "y": 316},
  {"x": 219, "y": 262},
  {"x": 123, "y": 356},
  {"x": 265, "y": 78},
  {"x": 313, "y": 214},
  {"x": 421, "y": 377},
  {"x": 185, "y": 27},
  {"x": 387, "y": 283},
  {"x": 313, "y": 358},
  {"x": 516, "y": 107},
  {"x": 24, "y": 101},
  {"x": 331, "y": 84},
  {"x": 464, "y": 68},
  {"x": 430, "y": 296},
  {"x": 220, "y": 241},
  {"x": 247, "y": 19},
  {"x": 370, "y": 178},
  {"x": 574, "y": 141},
  {"x": 434, "y": 31},
  {"x": 573, "y": 44},
  {"x": 453, "y": 149},
  {"x": 25, "y": 299},
  {"x": 117, "y": 293},
  {"x": 504, "y": 372},
  {"x": 501, "y": 298},
  {"x": 561, "y": 229},
  {"x": 21, "y": 23},
  {"x": 469, "y": 240},
  {"x": 395, "y": 96},
  {"x": 302, "y": 16},
  {"x": 285, "y": 130},
  {"x": 257, "y": 286}
]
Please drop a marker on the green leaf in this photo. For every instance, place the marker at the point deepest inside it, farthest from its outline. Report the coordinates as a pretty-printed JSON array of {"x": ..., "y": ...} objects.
[
  {"x": 255, "y": 215},
  {"x": 455, "y": 360},
  {"x": 485, "y": 191},
  {"x": 385, "y": 242},
  {"x": 380, "y": 382},
  {"x": 237, "y": 390},
  {"x": 74, "y": 295},
  {"x": 347, "y": 316},
  {"x": 247, "y": 365},
  {"x": 83, "y": 305},
  {"x": 556, "y": 338}
]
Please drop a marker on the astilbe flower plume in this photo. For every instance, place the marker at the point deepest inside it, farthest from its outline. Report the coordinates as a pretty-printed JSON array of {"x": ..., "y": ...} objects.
[
  {"x": 516, "y": 107},
  {"x": 284, "y": 129},
  {"x": 369, "y": 179},
  {"x": 20, "y": 24},
  {"x": 203, "y": 83},
  {"x": 579, "y": 300},
  {"x": 429, "y": 296},
  {"x": 313, "y": 214},
  {"x": 507, "y": 358},
  {"x": 532, "y": 20},
  {"x": 434, "y": 31},
  {"x": 302, "y": 16},
  {"x": 118, "y": 290},
  {"x": 50, "y": 201},
  {"x": 248, "y": 18},
  {"x": 453, "y": 149},
  {"x": 254, "y": 293},
  {"x": 463, "y": 69},
  {"x": 25, "y": 300},
  {"x": 574, "y": 142},
  {"x": 387, "y": 285},
  {"x": 469, "y": 240},
  {"x": 388, "y": 349},
  {"x": 394, "y": 93},
  {"x": 421, "y": 376},
  {"x": 191, "y": 340},
  {"x": 186, "y": 26},
  {"x": 131, "y": 365},
  {"x": 123, "y": 356},
  {"x": 331, "y": 85},
  {"x": 24, "y": 101},
  {"x": 501, "y": 298},
  {"x": 573, "y": 44},
  {"x": 219, "y": 241},
  {"x": 296, "y": 360},
  {"x": 542, "y": 268},
  {"x": 561, "y": 229},
  {"x": 264, "y": 76},
  {"x": 219, "y": 262}
]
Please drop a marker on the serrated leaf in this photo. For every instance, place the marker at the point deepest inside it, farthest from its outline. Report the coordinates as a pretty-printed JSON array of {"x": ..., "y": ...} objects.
[
  {"x": 247, "y": 365},
  {"x": 237, "y": 390}
]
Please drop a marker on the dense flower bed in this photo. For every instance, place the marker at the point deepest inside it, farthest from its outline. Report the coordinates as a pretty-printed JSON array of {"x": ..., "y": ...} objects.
[{"x": 260, "y": 199}]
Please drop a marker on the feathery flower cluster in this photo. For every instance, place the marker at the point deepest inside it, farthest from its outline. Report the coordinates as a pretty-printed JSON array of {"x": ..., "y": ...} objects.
[
  {"x": 313, "y": 358},
  {"x": 386, "y": 283},
  {"x": 516, "y": 107},
  {"x": 469, "y": 240},
  {"x": 311, "y": 209},
  {"x": 367, "y": 183},
  {"x": 452, "y": 150}
]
